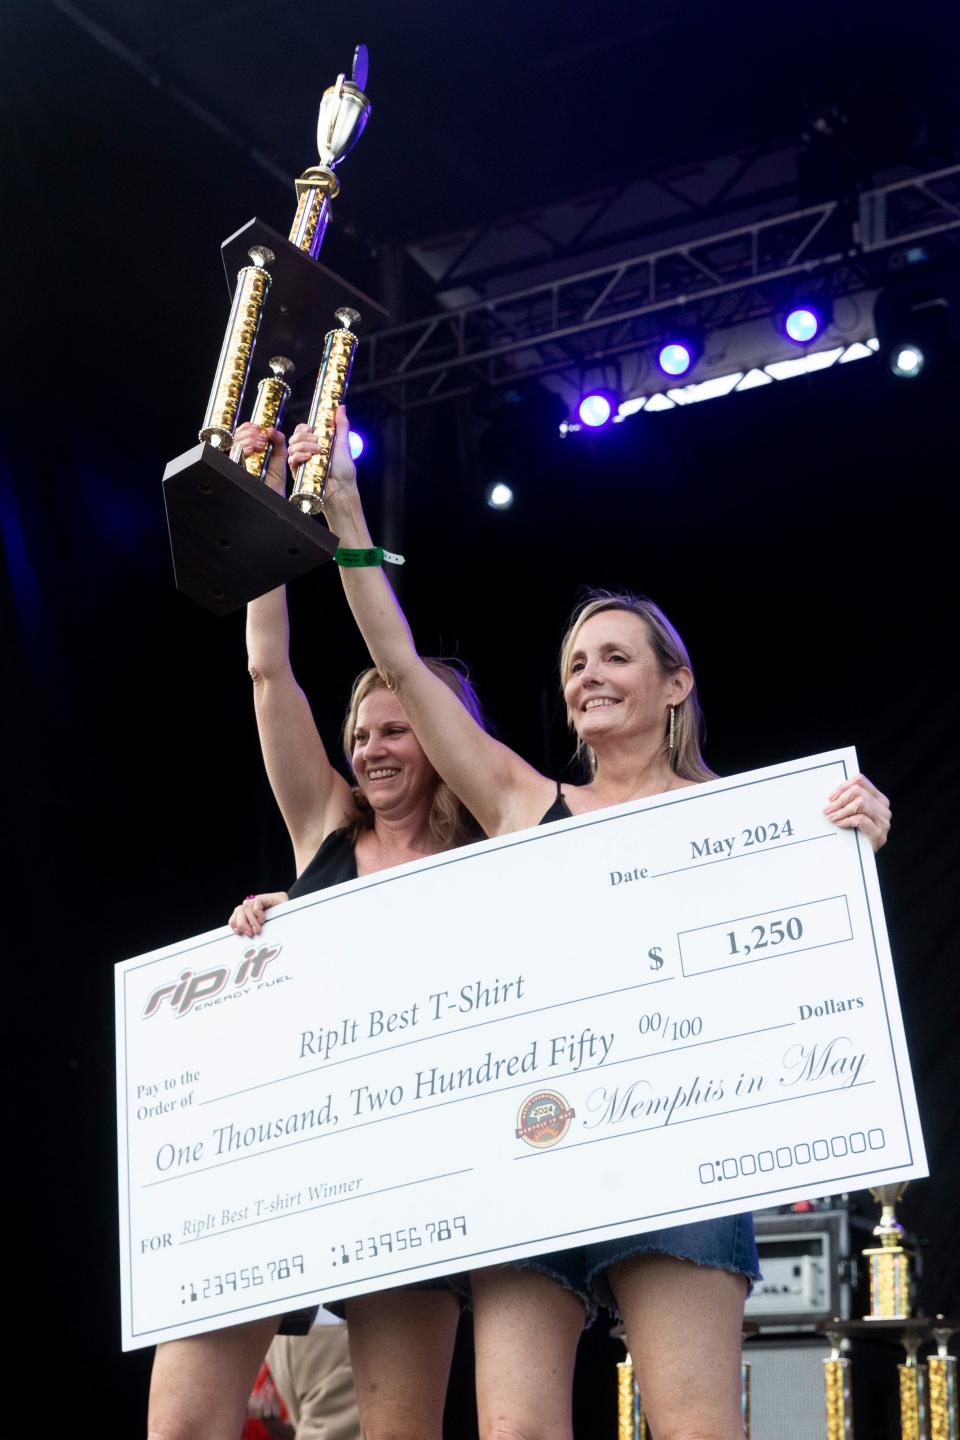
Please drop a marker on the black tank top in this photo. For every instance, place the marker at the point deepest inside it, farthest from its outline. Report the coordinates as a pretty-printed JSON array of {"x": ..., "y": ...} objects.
[
  {"x": 559, "y": 810},
  {"x": 335, "y": 861}
]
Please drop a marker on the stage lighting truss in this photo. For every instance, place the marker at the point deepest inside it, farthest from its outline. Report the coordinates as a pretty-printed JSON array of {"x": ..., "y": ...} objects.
[{"x": 594, "y": 318}]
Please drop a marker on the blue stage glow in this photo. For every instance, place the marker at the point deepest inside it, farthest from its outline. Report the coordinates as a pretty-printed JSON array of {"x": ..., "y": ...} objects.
[
  {"x": 356, "y": 443},
  {"x": 802, "y": 325},
  {"x": 595, "y": 410},
  {"x": 675, "y": 358},
  {"x": 28, "y": 596}
]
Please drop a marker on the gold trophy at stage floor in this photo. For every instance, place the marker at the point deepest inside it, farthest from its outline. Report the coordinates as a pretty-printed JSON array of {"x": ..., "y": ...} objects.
[
  {"x": 232, "y": 537},
  {"x": 890, "y": 1283},
  {"x": 927, "y": 1389}
]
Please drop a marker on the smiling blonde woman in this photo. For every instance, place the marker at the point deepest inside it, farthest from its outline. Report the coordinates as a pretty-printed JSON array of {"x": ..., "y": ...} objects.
[
  {"x": 397, "y": 809},
  {"x": 631, "y": 699}
]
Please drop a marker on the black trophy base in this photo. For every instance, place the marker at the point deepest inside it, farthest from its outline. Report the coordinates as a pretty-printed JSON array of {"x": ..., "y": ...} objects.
[
  {"x": 303, "y": 297},
  {"x": 232, "y": 537}
]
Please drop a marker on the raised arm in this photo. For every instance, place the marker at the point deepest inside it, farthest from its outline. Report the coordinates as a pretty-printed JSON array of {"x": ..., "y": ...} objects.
[
  {"x": 500, "y": 789},
  {"x": 313, "y": 797}
]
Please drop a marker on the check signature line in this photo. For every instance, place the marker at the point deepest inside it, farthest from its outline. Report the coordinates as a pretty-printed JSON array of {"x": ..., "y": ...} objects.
[
  {"x": 438, "y": 1035},
  {"x": 328, "y": 1204},
  {"x": 692, "y": 1119}
]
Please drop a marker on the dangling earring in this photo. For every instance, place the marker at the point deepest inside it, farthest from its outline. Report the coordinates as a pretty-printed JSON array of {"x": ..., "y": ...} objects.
[{"x": 673, "y": 724}]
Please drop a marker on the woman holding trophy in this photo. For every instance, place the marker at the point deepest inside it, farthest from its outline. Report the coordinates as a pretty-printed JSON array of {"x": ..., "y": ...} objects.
[
  {"x": 401, "y": 1341},
  {"x": 631, "y": 699}
]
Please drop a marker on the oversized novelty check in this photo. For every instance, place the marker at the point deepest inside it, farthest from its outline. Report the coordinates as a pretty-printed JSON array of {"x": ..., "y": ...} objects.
[{"x": 672, "y": 1010}]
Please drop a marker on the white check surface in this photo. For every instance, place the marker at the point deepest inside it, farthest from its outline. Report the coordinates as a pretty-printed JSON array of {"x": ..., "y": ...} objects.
[{"x": 698, "y": 988}]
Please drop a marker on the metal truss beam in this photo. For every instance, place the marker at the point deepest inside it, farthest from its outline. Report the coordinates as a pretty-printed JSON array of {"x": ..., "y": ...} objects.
[
  {"x": 564, "y": 230},
  {"x": 717, "y": 280}
]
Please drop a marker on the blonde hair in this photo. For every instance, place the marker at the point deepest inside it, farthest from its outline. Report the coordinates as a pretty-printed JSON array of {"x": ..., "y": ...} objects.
[
  {"x": 686, "y": 759},
  {"x": 450, "y": 821}
]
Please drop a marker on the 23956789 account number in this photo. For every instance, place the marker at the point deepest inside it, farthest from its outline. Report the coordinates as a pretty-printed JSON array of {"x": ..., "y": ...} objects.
[
  {"x": 231, "y": 1282},
  {"x": 390, "y": 1242}
]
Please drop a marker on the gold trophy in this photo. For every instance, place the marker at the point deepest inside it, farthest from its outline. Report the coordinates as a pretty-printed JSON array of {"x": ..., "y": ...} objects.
[
  {"x": 890, "y": 1285},
  {"x": 928, "y": 1390},
  {"x": 233, "y": 537}
]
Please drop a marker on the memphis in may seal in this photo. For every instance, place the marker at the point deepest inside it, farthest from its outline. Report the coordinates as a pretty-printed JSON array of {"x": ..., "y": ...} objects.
[{"x": 543, "y": 1120}]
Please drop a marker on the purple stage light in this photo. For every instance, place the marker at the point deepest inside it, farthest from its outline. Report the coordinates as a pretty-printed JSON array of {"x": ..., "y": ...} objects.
[
  {"x": 356, "y": 443},
  {"x": 802, "y": 325},
  {"x": 595, "y": 410},
  {"x": 675, "y": 358}
]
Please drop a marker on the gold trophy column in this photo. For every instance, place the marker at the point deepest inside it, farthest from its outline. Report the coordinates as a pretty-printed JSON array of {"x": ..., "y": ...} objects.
[
  {"x": 316, "y": 188},
  {"x": 942, "y": 1386},
  {"x": 272, "y": 394},
  {"x": 631, "y": 1421},
  {"x": 311, "y": 478},
  {"x": 913, "y": 1377},
  {"x": 253, "y": 286},
  {"x": 889, "y": 1261},
  {"x": 836, "y": 1384}
]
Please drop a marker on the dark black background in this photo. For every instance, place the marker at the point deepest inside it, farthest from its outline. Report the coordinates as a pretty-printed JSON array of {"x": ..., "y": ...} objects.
[{"x": 802, "y": 536}]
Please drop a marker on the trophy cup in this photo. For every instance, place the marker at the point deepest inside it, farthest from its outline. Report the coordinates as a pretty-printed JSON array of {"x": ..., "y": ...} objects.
[
  {"x": 233, "y": 537},
  {"x": 889, "y": 1261}
]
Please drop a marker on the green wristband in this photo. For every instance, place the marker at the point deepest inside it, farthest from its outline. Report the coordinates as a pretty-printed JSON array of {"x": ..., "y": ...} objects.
[{"x": 376, "y": 555}]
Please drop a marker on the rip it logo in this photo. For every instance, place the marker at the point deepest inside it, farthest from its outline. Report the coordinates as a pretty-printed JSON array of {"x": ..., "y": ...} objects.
[{"x": 190, "y": 989}]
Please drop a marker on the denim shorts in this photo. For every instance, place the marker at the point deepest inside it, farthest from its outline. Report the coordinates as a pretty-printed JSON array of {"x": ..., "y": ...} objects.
[{"x": 726, "y": 1244}]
